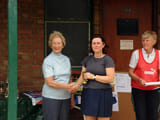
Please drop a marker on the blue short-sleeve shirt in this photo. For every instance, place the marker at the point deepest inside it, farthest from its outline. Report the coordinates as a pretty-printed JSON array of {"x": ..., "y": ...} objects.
[{"x": 58, "y": 66}]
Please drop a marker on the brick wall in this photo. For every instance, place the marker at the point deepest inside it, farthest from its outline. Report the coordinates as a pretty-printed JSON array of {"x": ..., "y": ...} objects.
[
  {"x": 30, "y": 43},
  {"x": 31, "y": 40},
  {"x": 98, "y": 17},
  {"x": 3, "y": 40}
]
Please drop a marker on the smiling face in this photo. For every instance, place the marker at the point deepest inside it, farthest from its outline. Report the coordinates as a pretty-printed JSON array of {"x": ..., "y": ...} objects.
[
  {"x": 97, "y": 45},
  {"x": 57, "y": 45},
  {"x": 149, "y": 39},
  {"x": 148, "y": 43}
]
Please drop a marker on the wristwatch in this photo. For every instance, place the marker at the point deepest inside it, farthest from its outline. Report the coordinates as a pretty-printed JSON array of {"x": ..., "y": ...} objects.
[{"x": 94, "y": 77}]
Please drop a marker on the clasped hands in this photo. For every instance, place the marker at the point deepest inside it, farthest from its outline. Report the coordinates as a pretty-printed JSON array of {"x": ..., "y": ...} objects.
[{"x": 74, "y": 87}]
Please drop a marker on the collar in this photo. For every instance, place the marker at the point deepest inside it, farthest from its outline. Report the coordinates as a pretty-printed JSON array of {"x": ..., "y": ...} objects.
[{"x": 145, "y": 53}]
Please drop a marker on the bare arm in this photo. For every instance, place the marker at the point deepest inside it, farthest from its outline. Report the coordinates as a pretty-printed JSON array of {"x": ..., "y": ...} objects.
[
  {"x": 79, "y": 81},
  {"x": 135, "y": 77},
  {"x": 72, "y": 101},
  {"x": 108, "y": 78},
  {"x": 52, "y": 83}
]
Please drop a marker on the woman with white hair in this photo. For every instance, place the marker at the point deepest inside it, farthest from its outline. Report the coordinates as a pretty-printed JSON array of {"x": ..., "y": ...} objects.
[
  {"x": 56, "y": 71},
  {"x": 144, "y": 67}
]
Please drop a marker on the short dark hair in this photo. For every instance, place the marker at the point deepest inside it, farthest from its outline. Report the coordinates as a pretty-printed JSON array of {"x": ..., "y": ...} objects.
[{"x": 103, "y": 40}]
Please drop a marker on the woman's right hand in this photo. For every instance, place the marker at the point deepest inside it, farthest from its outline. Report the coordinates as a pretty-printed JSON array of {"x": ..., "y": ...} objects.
[
  {"x": 74, "y": 88},
  {"x": 70, "y": 87},
  {"x": 142, "y": 82}
]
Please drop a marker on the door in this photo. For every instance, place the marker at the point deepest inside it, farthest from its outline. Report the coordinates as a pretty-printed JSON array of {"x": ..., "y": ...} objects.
[{"x": 118, "y": 15}]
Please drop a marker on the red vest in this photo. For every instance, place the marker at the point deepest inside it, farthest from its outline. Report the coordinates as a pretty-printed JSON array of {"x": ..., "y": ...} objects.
[{"x": 146, "y": 71}]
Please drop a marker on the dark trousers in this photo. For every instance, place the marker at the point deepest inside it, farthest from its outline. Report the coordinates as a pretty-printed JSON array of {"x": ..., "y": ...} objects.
[
  {"x": 146, "y": 103},
  {"x": 55, "y": 109}
]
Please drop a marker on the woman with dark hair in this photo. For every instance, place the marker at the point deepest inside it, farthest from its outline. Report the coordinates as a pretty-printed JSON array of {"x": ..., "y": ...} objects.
[
  {"x": 102, "y": 38},
  {"x": 99, "y": 71}
]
